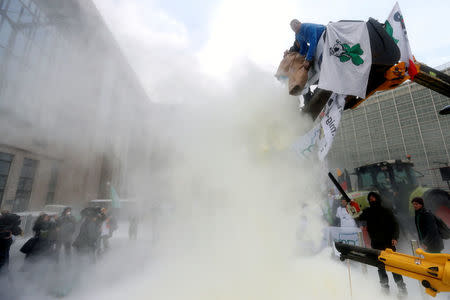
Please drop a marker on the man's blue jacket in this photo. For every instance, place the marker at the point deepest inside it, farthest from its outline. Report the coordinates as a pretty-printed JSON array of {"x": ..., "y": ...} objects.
[{"x": 309, "y": 34}]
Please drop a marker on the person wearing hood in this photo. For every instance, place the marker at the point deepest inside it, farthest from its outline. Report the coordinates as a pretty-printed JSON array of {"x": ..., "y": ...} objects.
[
  {"x": 383, "y": 230},
  {"x": 427, "y": 229}
]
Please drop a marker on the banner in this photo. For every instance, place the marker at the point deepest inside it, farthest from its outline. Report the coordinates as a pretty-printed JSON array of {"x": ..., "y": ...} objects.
[
  {"x": 347, "y": 235},
  {"x": 395, "y": 27},
  {"x": 306, "y": 144},
  {"x": 347, "y": 59},
  {"x": 330, "y": 123},
  {"x": 322, "y": 135}
]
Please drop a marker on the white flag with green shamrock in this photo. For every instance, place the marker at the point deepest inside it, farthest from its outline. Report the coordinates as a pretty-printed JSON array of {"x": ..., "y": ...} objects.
[{"x": 346, "y": 59}]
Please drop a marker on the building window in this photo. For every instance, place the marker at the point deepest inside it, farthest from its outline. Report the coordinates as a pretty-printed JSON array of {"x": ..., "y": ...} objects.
[
  {"x": 52, "y": 186},
  {"x": 25, "y": 185},
  {"x": 5, "y": 164}
]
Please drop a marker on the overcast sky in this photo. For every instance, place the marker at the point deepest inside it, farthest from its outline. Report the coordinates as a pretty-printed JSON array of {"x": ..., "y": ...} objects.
[{"x": 216, "y": 35}]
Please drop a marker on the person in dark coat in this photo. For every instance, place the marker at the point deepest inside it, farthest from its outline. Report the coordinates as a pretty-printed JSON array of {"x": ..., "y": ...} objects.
[
  {"x": 66, "y": 224},
  {"x": 88, "y": 237},
  {"x": 9, "y": 226},
  {"x": 427, "y": 228},
  {"x": 45, "y": 233},
  {"x": 383, "y": 231}
]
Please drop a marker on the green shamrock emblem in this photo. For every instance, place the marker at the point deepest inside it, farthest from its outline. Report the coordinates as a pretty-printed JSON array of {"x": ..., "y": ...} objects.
[{"x": 346, "y": 53}]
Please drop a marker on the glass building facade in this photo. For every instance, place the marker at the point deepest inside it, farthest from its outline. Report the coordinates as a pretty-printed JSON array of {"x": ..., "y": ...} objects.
[
  {"x": 5, "y": 164},
  {"x": 392, "y": 125},
  {"x": 28, "y": 41},
  {"x": 68, "y": 98}
]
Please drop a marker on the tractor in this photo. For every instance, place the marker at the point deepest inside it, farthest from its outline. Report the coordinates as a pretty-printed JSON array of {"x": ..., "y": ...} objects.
[{"x": 397, "y": 183}]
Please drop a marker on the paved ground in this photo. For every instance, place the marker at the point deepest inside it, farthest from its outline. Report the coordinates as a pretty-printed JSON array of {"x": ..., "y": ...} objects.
[
  {"x": 83, "y": 280},
  {"x": 50, "y": 281}
]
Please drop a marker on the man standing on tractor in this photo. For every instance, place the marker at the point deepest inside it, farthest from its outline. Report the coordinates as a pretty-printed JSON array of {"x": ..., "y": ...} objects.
[
  {"x": 306, "y": 33},
  {"x": 299, "y": 58}
]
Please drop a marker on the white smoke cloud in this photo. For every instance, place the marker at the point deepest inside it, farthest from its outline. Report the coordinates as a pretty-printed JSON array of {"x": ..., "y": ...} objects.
[
  {"x": 240, "y": 210},
  {"x": 237, "y": 214},
  {"x": 257, "y": 30},
  {"x": 231, "y": 227}
]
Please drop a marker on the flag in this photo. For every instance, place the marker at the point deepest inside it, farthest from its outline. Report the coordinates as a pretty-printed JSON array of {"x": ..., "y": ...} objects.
[
  {"x": 347, "y": 59},
  {"x": 330, "y": 123},
  {"x": 395, "y": 27},
  {"x": 321, "y": 137},
  {"x": 115, "y": 200},
  {"x": 306, "y": 144}
]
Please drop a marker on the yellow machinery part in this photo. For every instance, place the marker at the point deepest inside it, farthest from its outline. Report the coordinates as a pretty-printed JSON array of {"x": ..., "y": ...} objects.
[{"x": 433, "y": 270}]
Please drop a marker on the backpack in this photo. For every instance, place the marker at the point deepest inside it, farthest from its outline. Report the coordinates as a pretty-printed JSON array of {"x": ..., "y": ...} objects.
[
  {"x": 28, "y": 247},
  {"x": 443, "y": 229}
]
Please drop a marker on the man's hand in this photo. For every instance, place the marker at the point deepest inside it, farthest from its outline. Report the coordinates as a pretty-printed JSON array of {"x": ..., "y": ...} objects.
[{"x": 394, "y": 243}]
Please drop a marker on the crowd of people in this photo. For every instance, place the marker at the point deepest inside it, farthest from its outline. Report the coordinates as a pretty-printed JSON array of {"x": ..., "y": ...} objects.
[{"x": 89, "y": 237}]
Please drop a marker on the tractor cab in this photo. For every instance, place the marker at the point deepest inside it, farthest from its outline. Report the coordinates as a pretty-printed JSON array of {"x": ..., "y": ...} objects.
[{"x": 393, "y": 179}]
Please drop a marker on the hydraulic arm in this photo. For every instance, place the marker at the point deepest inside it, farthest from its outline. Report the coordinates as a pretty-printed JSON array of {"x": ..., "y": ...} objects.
[{"x": 433, "y": 79}]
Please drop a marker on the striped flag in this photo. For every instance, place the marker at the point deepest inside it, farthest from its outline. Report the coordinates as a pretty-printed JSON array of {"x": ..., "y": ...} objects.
[{"x": 395, "y": 27}]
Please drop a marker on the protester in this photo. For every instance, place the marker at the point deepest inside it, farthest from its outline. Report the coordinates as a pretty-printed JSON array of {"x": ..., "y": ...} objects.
[
  {"x": 306, "y": 33},
  {"x": 383, "y": 230},
  {"x": 88, "y": 237},
  {"x": 427, "y": 228},
  {"x": 300, "y": 57},
  {"x": 108, "y": 226},
  {"x": 345, "y": 219},
  {"x": 103, "y": 214},
  {"x": 44, "y": 241},
  {"x": 66, "y": 224},
  {"x": 9, "y": 226},
  {"x": 133, "y": 228}
]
